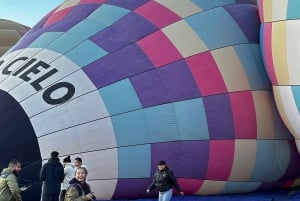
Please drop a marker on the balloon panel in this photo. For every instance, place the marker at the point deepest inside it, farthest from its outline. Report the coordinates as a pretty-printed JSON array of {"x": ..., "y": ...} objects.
[{"x": 116, "y": 84}]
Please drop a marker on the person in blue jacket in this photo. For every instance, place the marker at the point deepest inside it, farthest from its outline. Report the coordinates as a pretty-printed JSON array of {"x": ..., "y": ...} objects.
[
  {"x": 164, "y": 181},
  {"x": 52, "y": 175}
]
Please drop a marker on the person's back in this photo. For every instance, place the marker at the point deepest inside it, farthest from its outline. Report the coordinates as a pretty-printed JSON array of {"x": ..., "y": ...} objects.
[{"x": 52, "y": 174}]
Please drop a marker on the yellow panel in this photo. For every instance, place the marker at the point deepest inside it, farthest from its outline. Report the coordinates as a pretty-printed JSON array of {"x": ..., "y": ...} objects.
[
  {"x": 231, "y": 69},
  {"x": 244, "y": 160},
  {"x": 267, "y": 9},
  {"x": 182, "y": 8},
  {"x": 264, "y": 114},
  {"x": 191, "y": 44},
  {"x": 279, "y": 52},
  {"x": 211, "y": 187}
]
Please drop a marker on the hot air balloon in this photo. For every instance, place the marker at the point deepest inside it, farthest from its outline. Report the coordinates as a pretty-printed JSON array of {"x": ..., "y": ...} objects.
[
  {"x": 280, "y": 39},
  {"x": 124, "y": 84},
  {"x": 10, "y": 33}
]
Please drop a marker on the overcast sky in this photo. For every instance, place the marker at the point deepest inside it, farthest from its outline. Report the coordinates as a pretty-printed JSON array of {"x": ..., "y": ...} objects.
[{"x": 26, "y": 12}]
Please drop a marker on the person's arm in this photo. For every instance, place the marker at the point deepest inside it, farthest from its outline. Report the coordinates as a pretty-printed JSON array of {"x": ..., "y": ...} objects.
[
  {"x": 43, "y": 173},
  {"x": 152, "y": 185},
  {"x": 14, "y": 187},
  {"x": 174, "y": 182}
]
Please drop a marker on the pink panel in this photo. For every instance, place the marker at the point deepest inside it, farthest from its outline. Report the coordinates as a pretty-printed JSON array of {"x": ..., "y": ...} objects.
[
  {"x": 189, "y": 186},
  {"x": 267, "y": 40},
  {"x": 159, "y": 49},
  {"x": 244, "y": 115},
  {"x": 91, "y": 1},
  {"x": 161, "y": 17},
  {"x": 221, "y": 154},
  {"x": 206, "y": 74},
  {"x": 260, "y": 4},
  {"x": 57, "y": 16}
]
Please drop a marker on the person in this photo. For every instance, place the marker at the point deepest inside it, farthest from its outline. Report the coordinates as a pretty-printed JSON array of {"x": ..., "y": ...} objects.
[
  {"x": 69, "y": 171},
  {"x": 164, "y": 181},
  {"x": 52, "y": 175},
  {"x": 79, "y": 190},
  {"x": 9, "y": 186},
  {"x": 78, "y": 163}
]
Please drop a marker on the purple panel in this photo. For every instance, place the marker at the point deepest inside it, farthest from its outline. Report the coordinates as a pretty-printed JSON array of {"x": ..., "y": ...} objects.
[
  {"x": 188, "y": 159},
  {"x": 254, "y": 2},
  {"x": 131, "y": 188},
  {"x": 219, "y": 116},
  {"x": 292, "y": 171},
  {"x": 39, "y": 25},
  {"x": 128, "y": 29},
  {"x": 271, "y": 185},
  {"x": 246, "y": 16},
  {"x": 63, "y": 26},
  {"x": 118, "y": 65},
  {"x": 128, "y": 4},
  {"x": 81, "y": 11},
  {"x": 171, "y": 83}
]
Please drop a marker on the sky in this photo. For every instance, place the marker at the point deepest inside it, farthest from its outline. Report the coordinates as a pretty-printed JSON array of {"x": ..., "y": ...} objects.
[{"x": 26, "y": 12}]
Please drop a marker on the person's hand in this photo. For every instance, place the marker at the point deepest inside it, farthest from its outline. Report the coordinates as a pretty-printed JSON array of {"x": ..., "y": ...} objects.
[
  {"x": 181, "y": 193},
  {"x": 148, "y": 191},
  {"x": 89, "y": 196}
]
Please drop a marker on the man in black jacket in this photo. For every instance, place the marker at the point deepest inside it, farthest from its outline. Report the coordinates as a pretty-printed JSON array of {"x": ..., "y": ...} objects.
[{"x": 52, "y": 175}]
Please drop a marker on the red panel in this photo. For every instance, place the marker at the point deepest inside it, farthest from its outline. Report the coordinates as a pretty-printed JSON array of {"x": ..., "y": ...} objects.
[
  {"x": 57, "y": 16},
  {"x": 189, "y": 186},
  {"x": 206, "y": 74},
  {"x": 162, "y": 15},
  {"x": 159, "y": 49},
  {"x": 221, "y": 154},
  {"x": 244, "y": 115}
]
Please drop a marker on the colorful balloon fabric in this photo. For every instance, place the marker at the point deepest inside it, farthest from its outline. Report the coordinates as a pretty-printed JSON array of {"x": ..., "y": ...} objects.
[
  {"x": 124, "y": 84},
  {"x": 281, "y": 51},
  {"x": 10, "y": 33}
]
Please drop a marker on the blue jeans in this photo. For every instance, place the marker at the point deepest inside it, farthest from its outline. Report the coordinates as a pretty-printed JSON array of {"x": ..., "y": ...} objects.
[{"x": 165, "y": 196}]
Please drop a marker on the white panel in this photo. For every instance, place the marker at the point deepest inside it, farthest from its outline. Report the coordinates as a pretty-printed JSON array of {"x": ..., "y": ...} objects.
[
  {"x": 77, "y": 111},
  {"x": 293, "y": 50},
  {"x": 279, "y": 9},
  {"x": 104, "y": 189},
  {"x": 191, "y": 45},
  {"x": 182, "y": 8}
]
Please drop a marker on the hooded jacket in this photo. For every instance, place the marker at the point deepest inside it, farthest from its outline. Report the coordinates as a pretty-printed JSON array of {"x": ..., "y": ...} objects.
[
  {"x": 69, "y": 172},
  {"x": 52, "y": 174},
  {"x": 77, "y": 191},
  {"x": 9, "y": 186}
]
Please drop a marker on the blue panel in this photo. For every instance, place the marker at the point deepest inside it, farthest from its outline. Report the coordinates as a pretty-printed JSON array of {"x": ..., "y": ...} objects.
[
  {"x": 272, "y": 159},
  {"x": 192, "y": 120},
  {"x": 250, "y": 57},
  {"x": 293, "y": 9},
  {"x": 296, "y": 94},
  {"x": 138, "y": 164},
  {"x": 209, "y": 24},
  {"x": 239, "y": 187},
  {"x": 130, "y": 128},
  {"x": 82, "y": 57},
  {"x": 107, "y": 14},
  {"x": 120, "y": 97},
  {"x": 45, "y": 39},
  {"x": 162, "y": 123},
  {"x": 205, "y": 5}
]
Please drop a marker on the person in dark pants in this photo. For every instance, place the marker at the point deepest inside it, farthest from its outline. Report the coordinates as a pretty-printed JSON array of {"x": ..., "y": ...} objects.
[
  {"x": 164, "y": 181},
  {"x": 52, "y": 175}
]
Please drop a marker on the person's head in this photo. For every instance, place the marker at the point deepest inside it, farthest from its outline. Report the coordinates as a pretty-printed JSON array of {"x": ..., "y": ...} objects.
[
  {"x": 162, "y": 165},
  {"x": 54, "y": 154},
  {"x": 77, "y": 162},
  {"x": 80, "y": 174},
  {"x": 15, "y": 166},
  {"x": 67, "y": 160}
]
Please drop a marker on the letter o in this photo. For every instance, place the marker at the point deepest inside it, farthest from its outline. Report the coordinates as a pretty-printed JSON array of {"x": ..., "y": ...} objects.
[{"x": 47, "y": 94}]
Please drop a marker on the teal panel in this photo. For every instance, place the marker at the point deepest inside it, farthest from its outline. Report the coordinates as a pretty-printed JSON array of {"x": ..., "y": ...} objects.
[
  {"x": 120, "y": 97},
  {"x": 240, "y": 187},
  {"x": 44, "y": 39},
  {"x": 108, "y": 14},
  {"x": 162, "y": 123},
  {"x": 205, "y": 4},
  {"x": 209, "y": 24},
  {"x": 82, "y": 57},
  {"x": 250, "y": 58},
  {"x": 293, "y": 9},
  {"x": 272, "y": 159},
  {"x": 130, "y": 128},
  {"x": 191, "y": 118},
  {"x": 134, "y": 161},
  {"x": 296, "y": 94}
]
